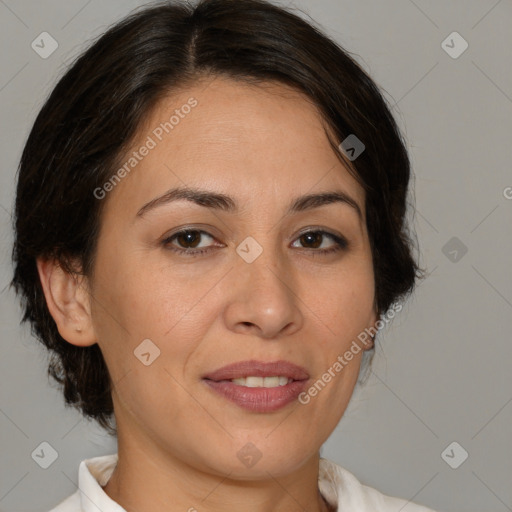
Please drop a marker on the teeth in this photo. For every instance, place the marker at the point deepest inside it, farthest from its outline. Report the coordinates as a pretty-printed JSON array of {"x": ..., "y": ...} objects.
[{"x": 261, "y": 382}]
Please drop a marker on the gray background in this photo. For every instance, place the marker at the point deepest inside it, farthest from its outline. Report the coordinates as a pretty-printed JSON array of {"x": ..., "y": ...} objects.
[{"x": 441, "y": 373}]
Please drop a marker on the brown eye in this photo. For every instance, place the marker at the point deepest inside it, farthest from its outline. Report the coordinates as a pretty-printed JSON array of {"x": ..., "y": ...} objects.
[
  {"x": 188, "y": 242},
  {"x": 315, "y": 240},
  {"x": 189, "y": 239}
]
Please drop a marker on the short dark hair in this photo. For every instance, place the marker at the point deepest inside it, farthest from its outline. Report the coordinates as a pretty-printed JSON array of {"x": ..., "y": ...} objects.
[{"x": 96, "y": 108}]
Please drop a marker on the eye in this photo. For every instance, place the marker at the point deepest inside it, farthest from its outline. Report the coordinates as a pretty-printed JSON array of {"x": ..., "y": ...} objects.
[
  {"x": 188, "y": 242},
  {"x": 315, "y": 240},
  {"x": 188, "y": 239}
]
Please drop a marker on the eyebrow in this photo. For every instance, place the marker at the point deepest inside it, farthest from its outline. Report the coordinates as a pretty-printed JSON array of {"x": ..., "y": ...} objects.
[{"x": 223, "y": 202}]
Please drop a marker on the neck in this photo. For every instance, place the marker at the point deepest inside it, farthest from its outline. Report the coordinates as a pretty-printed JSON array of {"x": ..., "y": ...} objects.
[{"x": 145, "y": 479}]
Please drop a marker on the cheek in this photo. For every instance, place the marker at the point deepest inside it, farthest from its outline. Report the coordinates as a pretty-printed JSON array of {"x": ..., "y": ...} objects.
[
  {"x": 137, "y": 300},
  {"x": 133, "y": 293},
  {"x": 347, "y": 301}
]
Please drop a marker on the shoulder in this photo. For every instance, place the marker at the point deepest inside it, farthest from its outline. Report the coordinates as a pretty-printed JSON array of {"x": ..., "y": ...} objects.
[
  {"x": 343, "y": 489},
  {"x": 92, "y": 475},
  {"x": 70, "y": 504}
]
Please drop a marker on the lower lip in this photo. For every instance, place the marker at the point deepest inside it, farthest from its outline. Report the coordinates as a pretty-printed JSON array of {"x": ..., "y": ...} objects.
[{"x": 258, "y": 399}]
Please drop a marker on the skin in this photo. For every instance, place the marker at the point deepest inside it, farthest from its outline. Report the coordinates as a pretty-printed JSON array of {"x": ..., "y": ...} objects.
[{"x": 177, "y": 439}]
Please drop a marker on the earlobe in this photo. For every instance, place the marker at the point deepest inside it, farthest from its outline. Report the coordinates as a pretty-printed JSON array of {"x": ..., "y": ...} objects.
[{"x": 68, "y": 302}]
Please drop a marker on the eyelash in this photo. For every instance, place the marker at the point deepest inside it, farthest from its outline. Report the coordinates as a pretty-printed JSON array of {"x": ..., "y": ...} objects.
[{"x": 341, "y": 243}]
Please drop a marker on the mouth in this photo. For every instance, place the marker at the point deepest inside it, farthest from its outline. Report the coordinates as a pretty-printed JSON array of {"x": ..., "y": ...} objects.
[
  {"x": 258, "y": 386},
  {"x": 252, "y": 381}
]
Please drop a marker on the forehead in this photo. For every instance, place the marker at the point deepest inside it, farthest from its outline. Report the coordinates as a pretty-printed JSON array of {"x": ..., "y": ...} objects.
[{"x": 260, "y": 143}]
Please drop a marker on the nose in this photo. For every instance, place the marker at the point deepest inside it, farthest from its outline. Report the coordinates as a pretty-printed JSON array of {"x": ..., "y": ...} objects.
[{"x": 262, "y": 300}]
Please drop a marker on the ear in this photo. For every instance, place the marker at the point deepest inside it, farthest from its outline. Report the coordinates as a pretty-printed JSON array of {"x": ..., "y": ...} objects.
[
  {"x": 372, "y": 327},
  {"x": 68, "y": 301}
]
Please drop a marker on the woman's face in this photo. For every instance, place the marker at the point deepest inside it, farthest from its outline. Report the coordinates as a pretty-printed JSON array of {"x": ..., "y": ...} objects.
[{"x": 262, "y": 290}]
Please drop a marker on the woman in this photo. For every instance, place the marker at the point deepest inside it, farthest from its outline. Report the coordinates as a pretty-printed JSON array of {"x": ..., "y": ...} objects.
[{"x": 210, "y": 223}]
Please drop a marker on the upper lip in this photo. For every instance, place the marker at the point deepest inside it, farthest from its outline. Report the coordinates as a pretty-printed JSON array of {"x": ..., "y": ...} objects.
[{"x": 258, "y": 369}]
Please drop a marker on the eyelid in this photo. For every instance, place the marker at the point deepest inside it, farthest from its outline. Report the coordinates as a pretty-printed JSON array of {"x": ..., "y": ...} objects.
[
  {"x": 166, "y": 239},
  {"x": 206, "y": 229},
  {"x": 316, "y": 229}
]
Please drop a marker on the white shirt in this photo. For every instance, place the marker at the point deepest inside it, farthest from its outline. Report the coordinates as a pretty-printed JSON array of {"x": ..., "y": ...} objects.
[{"x": 337, "y": 485}]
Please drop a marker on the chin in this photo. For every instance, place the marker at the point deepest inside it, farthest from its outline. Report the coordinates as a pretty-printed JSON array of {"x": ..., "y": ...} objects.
[{"x": 257, "y": 458}]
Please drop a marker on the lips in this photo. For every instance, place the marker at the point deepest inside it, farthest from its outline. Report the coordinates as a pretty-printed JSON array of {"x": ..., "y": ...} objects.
[
  {"x": 252, "y": 385},
  {"x": 258, "y": 369}
]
